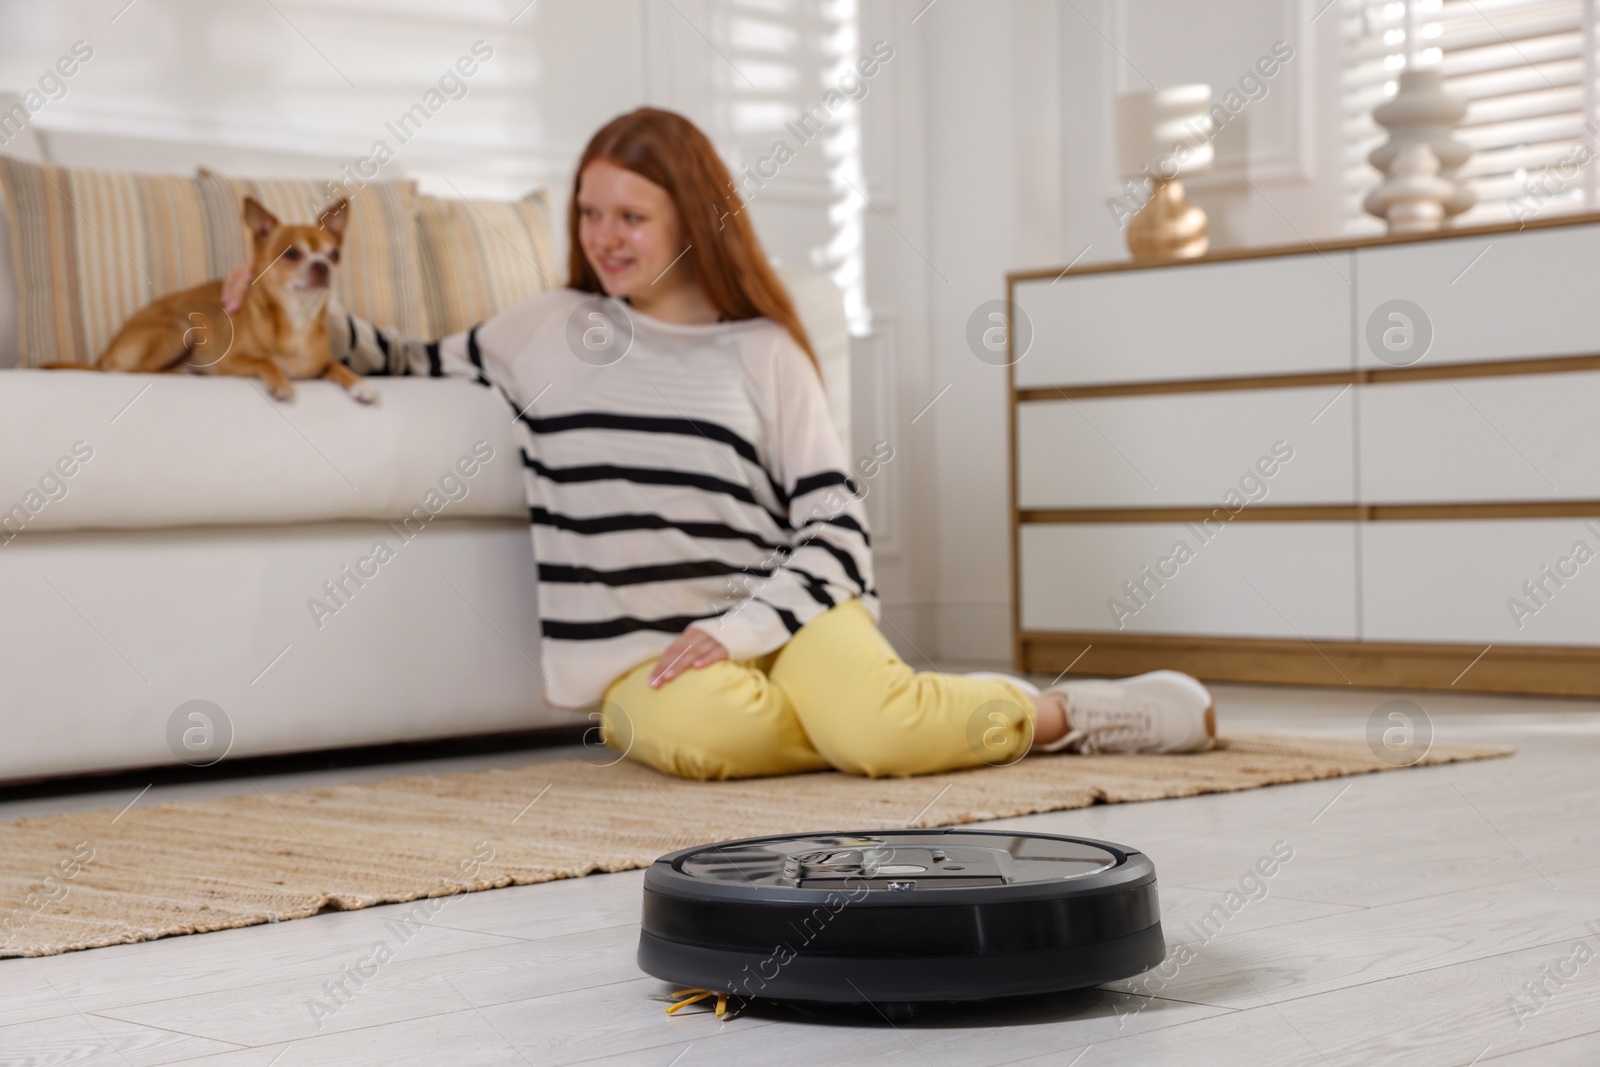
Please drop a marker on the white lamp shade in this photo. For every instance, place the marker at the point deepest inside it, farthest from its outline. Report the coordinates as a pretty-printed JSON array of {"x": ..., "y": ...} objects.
[{"x": 1166, "y": 132}]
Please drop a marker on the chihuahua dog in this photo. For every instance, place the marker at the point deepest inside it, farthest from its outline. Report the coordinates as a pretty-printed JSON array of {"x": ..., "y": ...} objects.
[{"x": 278, "y": 332}]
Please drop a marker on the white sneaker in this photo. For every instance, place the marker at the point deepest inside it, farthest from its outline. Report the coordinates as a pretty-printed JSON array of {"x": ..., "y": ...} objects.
[{"x": 1159, "y": 712}]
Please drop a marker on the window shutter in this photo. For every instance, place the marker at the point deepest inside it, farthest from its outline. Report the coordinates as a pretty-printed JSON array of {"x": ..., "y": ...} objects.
[{"x": 1527, "y": 71}]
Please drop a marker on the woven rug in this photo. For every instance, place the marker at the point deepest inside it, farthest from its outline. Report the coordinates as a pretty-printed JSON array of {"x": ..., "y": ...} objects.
[{"x": 114, "y": 877}]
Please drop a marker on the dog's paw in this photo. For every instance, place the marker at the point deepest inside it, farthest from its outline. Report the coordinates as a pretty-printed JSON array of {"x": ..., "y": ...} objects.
[
  {"x": 284, "y": 392},
  {"x": 365, "y": 393}
]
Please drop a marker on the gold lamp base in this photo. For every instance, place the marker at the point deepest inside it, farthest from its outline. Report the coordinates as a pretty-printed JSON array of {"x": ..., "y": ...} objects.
[{"x": 1168, "y": 227}]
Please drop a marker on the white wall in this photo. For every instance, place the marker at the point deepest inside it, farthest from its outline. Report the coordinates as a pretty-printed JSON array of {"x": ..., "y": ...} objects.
[
  {"x": 1020, "y": 151},
  {"x": 986, "y": 147},
  {"x": 1279, "y": 168}
]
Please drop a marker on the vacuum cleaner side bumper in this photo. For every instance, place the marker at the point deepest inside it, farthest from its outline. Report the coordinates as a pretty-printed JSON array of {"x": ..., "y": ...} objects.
[{"x": 787, "y": 975}]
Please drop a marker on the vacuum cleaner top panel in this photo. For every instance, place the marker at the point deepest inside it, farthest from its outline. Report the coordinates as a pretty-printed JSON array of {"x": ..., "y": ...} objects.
[{"x": 909, "y": 866}]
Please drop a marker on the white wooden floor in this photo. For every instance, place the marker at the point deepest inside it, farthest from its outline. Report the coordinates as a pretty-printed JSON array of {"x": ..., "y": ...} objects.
[{"x": 1417, "y": 908}]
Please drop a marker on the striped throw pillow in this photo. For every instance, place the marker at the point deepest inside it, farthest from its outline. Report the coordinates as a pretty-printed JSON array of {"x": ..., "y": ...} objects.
[
  {"x": 93, "y": 247},
  {"x": 482, "y": 256}
]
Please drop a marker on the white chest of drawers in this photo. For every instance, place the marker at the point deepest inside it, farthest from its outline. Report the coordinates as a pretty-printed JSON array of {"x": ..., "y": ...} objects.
[{"x": 1225, "y": 466}]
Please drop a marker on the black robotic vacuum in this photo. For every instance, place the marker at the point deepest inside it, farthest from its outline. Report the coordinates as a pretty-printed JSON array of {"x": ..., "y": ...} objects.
[{"x": 900, "y": 915}]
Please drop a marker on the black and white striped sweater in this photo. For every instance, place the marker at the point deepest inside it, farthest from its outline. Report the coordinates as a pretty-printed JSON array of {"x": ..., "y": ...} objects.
[{"x": 695, "y": 481}]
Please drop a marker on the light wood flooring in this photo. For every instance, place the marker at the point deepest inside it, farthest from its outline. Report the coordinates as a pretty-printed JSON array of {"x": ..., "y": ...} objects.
[{"x": 1418, "y": 910}]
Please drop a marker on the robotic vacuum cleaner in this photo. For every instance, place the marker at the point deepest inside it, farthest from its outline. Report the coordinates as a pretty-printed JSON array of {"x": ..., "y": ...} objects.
[{"x": 900, "y": 915}]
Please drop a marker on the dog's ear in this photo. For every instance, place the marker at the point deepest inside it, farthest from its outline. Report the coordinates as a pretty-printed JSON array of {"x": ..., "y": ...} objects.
[
  {"x": 334, "y": 219},
  {"x": 259, "y": 219}
]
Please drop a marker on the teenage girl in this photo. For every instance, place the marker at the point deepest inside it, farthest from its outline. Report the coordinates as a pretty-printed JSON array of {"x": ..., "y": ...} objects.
[{"x": 705, "y": 568}]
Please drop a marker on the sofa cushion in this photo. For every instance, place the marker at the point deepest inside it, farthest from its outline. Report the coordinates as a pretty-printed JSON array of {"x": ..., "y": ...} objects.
[
  {"x": 8, "y": 293},
  {"x": 91, "y": 247},
  {"x": 20, "y": 143},
  {"x": 84, "y": 450},
  {"x": 482, "y": 256}
]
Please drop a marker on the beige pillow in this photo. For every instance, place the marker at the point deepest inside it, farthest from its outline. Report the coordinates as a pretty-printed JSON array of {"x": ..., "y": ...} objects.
[
  {"x": 380, "y": 272},
  {"x": 92, "y": 247},
  {"x": 482, "y": 256}
]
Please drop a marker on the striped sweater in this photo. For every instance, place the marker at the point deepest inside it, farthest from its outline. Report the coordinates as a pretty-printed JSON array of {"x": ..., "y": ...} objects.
[{"x": 693, "y": 480}]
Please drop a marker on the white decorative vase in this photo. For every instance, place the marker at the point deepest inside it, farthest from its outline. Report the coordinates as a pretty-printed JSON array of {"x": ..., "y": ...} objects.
[
  {"x": 1422, "y": 113},
  {"x": 1412, "y": 199}
]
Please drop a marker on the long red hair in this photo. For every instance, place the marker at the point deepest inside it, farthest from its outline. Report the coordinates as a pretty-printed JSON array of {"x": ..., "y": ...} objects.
[{"x": 727, "y": 258}]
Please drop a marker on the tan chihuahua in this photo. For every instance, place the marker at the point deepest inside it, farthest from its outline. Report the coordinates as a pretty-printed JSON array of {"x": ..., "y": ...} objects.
[{"x": 278, "y": 332}]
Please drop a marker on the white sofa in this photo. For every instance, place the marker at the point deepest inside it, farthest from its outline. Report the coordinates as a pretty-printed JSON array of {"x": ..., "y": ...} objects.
[{"x": 173, "y": 530}]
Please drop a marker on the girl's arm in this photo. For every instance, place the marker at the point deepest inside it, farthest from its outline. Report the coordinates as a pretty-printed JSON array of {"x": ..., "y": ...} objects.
[
  {"x": 374, "y": 352},
  {"x": 828, "y": 559}
]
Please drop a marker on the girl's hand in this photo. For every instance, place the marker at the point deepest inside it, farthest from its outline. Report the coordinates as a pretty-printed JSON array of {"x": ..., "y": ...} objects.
[
  {"x": 234, "y": 288},
  {"x": 692, "y": 648}
]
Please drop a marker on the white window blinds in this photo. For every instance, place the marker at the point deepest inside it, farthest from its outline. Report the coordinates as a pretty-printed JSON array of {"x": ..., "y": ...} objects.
[
  {"x": 789, "y": 93},
  {"x": 1527, "y": 71}
]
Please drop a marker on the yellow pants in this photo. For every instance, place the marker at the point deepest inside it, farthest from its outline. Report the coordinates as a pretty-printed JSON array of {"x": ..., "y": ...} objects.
[{"x": 837, "y": 695}]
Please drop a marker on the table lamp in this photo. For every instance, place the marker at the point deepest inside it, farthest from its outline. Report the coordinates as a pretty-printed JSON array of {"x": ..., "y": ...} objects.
[{"x": 1162, "y": 135}]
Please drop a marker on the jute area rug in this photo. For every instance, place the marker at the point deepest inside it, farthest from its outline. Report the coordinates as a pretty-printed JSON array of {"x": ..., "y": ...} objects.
[{"x": 105, "y": 878}]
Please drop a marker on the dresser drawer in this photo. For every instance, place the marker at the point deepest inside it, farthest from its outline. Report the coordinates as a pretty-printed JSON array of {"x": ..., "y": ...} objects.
[
  {"x": 1271, "y": 446},
  {"x": 1464, "y": 581},
  {"x": 1500, "y": 296},
  {"x": 1529, "y": 437},
  {"x": 1246, "y": 579},
  {"x": 1280, "y": 315}
]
